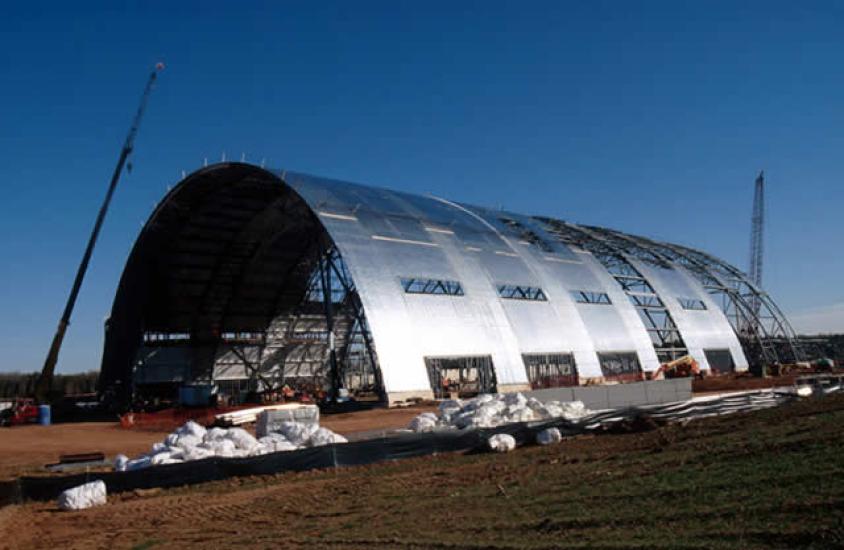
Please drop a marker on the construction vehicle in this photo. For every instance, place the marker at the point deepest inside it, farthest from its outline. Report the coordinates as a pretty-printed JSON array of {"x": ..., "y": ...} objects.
[
  {"x": 45, "y": 380},
  {"x": 23, "y": 411},
  {"x": 682, "y": 367}
]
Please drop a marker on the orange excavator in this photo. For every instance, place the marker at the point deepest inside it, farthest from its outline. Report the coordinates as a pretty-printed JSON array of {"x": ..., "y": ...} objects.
[{"x": 682, "y": 367}]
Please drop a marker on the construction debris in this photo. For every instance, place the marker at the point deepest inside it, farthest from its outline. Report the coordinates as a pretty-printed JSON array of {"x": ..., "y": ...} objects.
[{"x": 83, "y": 496}]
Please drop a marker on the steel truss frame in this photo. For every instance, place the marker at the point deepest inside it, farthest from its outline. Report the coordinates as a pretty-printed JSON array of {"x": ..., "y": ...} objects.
[
  {"x": 664, "y": 334},
  {"x": 324, "y": 341},
  {"x": 764, "y": 332}
]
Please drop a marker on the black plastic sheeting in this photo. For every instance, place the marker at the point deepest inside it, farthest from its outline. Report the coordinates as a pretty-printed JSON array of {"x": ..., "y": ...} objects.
[{"x": 394, "y": 447}]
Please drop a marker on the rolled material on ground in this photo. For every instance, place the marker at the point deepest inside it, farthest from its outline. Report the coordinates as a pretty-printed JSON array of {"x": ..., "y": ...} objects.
[
  {"x": 549, "y": 436},
  {"x": 83, "y": 496},
  {"x": 501, "y": 443}
]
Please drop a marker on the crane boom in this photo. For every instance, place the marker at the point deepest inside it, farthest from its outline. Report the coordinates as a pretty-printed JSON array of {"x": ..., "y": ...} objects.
[
  {"x": 757, "y": 229},
  {"x": 45, "y": 380}
]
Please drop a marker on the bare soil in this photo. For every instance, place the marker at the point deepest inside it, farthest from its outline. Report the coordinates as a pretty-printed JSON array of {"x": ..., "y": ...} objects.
[
  {"x": 770, "y": 479},
  {"x": 26, "y": 449}
]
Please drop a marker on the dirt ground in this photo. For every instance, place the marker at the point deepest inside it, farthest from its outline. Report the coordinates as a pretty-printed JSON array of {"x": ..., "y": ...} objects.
[
  {"x": 26, "y": 449},
  {"x": 746, "y": 381},
  {"x": 372, "y": 420},
  {"x": 770, "y": 479}
]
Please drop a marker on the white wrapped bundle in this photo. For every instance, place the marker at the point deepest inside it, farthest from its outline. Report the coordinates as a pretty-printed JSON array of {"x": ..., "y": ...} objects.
[
  {"x": 274, "y": 443},
  {"x": 242, "y": 439},
  {"x": 165, "y": 458},
  {"x": 83, "y": 496},
  {"x": 188, "y": 441},
  {"x": 120, "y": 463},
  {"x": 220, "y": 447},
  {"x": 215, "y": 434},
  {"x": 298, "y": 434},
  {"x": 549, "y": 436},
  {"x": 324, "y": 436},
  {"x": 501, "y": 443},
  {"x": 574, "y": 410},
  {"x": 191, "y": 428},
  {"x": 197, "y": 453},
  {"x": 425, "y": 422}
]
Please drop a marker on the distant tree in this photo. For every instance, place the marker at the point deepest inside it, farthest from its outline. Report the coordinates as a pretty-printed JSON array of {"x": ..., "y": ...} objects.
[{"x": 22, "y": 384}]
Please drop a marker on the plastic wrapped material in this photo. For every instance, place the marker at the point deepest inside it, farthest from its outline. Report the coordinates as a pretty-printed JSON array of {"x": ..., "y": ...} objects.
[
  {"x": 549, "y": 436},
  {"x": 188, "y": 441},
  {"x": 270, "y": 420},
  {"x": 501, "y": 443},
  {"x": 274, "y": 442},
  {"x": 191, "y": 428},
  {"x": 160, "y": 458},
  {"x": 83, "y": 496},
  {"x": 425, "y": 422},
  {"x": 120, "y": 462},
  {"x": 489, "y": 411},
  {"x": 215, "y": 434},
  {"x": 242, "y": 439},
  {"x": 220, "y": 447},
  {"x": 324, "y": 436},
  {"x": 573, "y": 410},
  {"x": 197, "y": 453},
  {"x": 298, "y": 434},
  {"x": 186, "y": 444}
]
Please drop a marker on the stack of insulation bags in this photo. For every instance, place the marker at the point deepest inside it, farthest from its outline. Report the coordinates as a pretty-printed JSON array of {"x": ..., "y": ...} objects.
[
  {"x": 489, "y": 411},
  {"x": 193, "y": 442}
]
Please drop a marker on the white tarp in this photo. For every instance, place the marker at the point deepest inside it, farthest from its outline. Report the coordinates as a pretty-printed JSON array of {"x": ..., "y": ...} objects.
[{"x": 83, "y": 496}]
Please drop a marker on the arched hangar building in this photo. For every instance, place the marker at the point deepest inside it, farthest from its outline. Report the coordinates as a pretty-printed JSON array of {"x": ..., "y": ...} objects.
[{"x": 246, "y": 279}]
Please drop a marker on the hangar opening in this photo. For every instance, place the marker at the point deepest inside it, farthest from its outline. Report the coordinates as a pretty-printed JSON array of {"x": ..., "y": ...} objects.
[{"x": 233, "y": 289}]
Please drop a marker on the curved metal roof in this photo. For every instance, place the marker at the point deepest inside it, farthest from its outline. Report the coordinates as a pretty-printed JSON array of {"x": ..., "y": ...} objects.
[{"x": 221, "y": 253}]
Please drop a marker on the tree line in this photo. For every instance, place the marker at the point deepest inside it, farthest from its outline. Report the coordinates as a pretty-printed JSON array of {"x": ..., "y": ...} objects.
[{"x": 22, "y": 384}]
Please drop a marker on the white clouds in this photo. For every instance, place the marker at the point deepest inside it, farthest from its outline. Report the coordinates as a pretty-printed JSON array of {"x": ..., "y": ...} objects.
[{"x": 826, "y": 319}]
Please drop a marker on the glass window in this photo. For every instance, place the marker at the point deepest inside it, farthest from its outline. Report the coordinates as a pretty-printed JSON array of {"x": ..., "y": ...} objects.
[
  {"x": 412, "y": 285},
  {"x": 692, "y": 303},
  {"x": 590, "y": 297},
  {"x": 517, "y": 292}
]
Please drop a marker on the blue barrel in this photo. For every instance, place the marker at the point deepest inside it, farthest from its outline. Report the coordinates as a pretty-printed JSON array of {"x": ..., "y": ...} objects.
[{"x": 44, "y": 415}]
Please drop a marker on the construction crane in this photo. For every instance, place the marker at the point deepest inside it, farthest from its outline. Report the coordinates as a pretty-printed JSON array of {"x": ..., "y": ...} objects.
[
  {"x": 757, "y": 226},
  {"x": 45, "y": 380}
]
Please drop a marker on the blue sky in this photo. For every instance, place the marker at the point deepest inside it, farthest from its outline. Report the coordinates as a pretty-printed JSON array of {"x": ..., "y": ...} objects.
[{"x": 649, "y": 117}]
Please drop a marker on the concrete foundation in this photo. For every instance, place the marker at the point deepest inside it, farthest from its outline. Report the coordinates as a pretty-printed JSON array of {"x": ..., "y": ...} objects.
[{"x": 614, "y": 396}]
